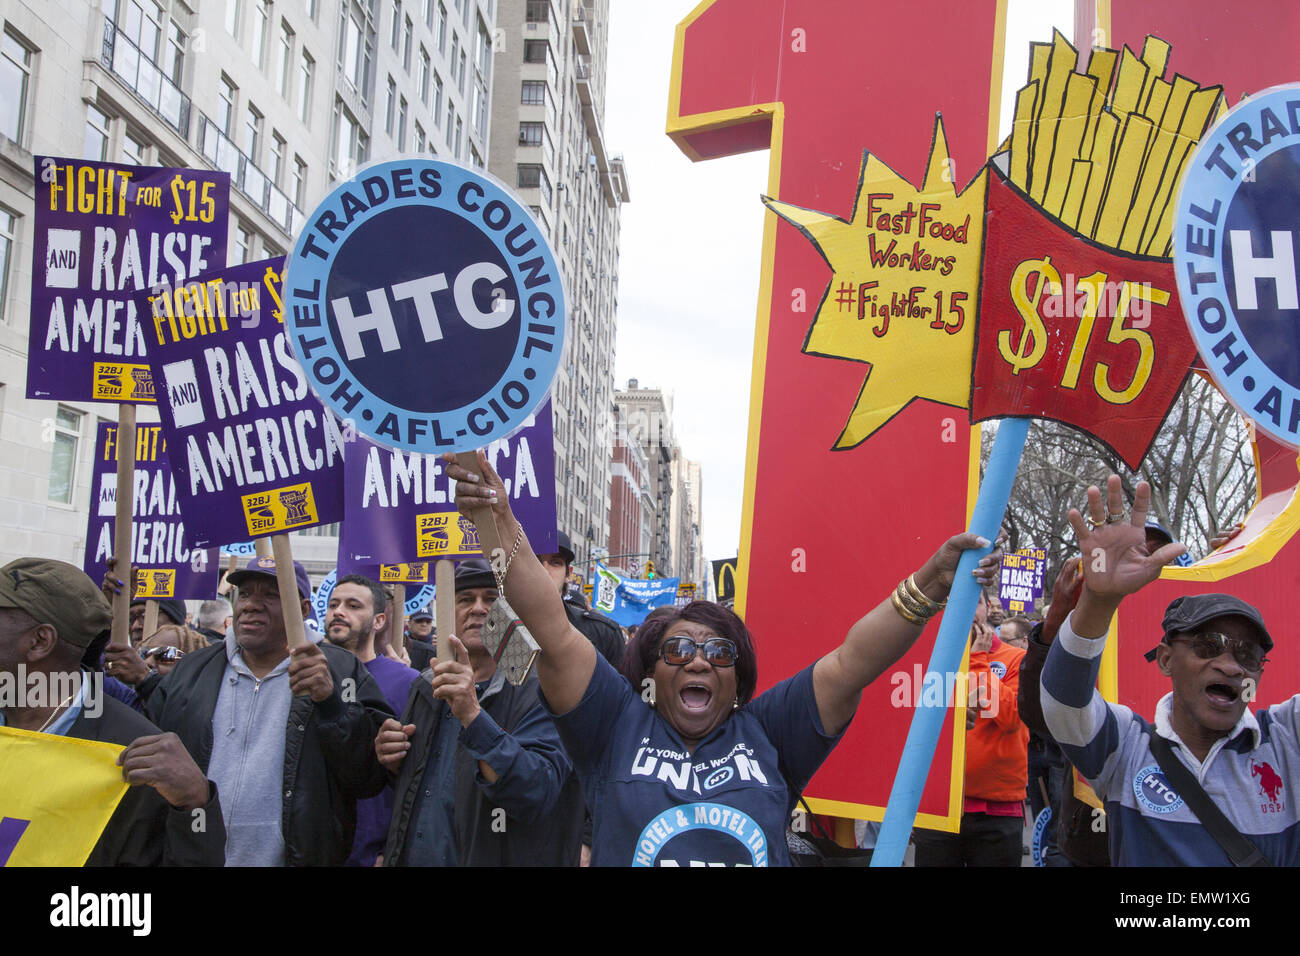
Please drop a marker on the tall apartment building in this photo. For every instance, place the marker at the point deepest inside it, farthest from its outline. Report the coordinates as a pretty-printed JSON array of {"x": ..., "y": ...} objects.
[
  {"x": 631, "y": 505},
  {"x": 645, "y": 415},
  {"x": 285, "y": 96},
  {"x": 548, "y": 108},
  {"x": 684, "y": 522}
]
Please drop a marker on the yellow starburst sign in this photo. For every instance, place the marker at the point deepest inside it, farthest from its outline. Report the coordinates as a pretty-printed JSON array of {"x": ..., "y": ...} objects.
[{"x": 905, "y": 289}]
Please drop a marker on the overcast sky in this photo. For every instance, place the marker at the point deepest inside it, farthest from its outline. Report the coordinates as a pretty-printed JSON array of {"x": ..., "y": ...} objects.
[{"x": 691, "y": 246}]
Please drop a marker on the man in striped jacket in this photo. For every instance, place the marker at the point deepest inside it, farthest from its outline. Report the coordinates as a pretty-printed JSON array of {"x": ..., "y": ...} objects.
[{"x": 1213, "y": 650}]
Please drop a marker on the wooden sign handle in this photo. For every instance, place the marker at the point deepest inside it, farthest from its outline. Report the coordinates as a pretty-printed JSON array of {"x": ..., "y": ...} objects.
[
  {"x": 122, "y": 528},
  {"x": 444, "y": 603},
  {"x": 150, "y": 618},
  {"x": 399, "y": 617},
  {"x": 290, "y": 600},
  {"x": 263, "y": 547}
]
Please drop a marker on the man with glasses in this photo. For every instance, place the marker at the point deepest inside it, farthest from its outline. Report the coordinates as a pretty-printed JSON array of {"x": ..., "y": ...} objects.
[
  {"x": 481, "y": 777},
  {"x": 1213, "y": 649}
]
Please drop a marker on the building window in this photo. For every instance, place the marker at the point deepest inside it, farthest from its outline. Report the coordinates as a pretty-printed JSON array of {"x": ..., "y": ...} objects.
[
  {"x": 63, "y": 458},
  {"x": 534, "y": 93},
  {"x": 226, "y": 93},
  {"x": 313, "y": 9},
  {"x": 401, "y": 124},
  {"x": 455, "y": 53},
  {"x": 442, "y": 28},
  {"x": 419, "y": 138},
  {"x": 350, "y": 143},
  {"x": 174, "y": 56},
  {"x": 425, "y": 68},
  {"x": 480, "y": 109},
  {"x": 15, "y": 76},
  {"x": 299, "y": 184},
  {"x": 284, "y": 61},
  {"x": 428, "y": 13},
  {"x": 483, "y": 51},
  {"x": 277, "y": 158},
  {"x": 460, "y": 76},
  {"x": 437, "y": 99},
  {"x": 143, "y": 26},
  {"x": 356, "y": 46},
  {"x": 134, "y": 149},
  {"x": 395, "y": 38},
  {"x": 451, "y": 122},
  {"x": 306, "y": 67},
  {"x": 459, "y": 130},
  {"x": 253, "y": 134},
  {"x": 530, "y": 134},
  {"x": 390, "y": 109},
  {"x": 232, "y": 18},
  {"x": 537, "y": 11},
  {"x": 241, "y": 245},
  {"x": 96, "y": 146},
  {"x": 261, "y": 22},
  {"x": 8, "y": 224},
  {"x": 406, "y": 44},
  {"x": 535, "y": 51},
  {"x": 474, "y": 157}
]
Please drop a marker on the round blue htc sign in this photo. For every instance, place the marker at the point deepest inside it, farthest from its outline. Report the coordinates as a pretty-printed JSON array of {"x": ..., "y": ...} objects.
[
  {"x": 425, "y": 306},
  {"x": 1235, "y": 257}
]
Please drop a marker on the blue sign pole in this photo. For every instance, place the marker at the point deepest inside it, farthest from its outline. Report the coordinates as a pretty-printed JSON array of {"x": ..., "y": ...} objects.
[{"x": 954, "y": 630}]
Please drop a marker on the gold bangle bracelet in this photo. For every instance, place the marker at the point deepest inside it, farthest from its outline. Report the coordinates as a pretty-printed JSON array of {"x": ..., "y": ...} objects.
[
  {"x": 915, "y": 590},
  {"x": 906, "y": 614},
  {"x": 917, "y": 609}
]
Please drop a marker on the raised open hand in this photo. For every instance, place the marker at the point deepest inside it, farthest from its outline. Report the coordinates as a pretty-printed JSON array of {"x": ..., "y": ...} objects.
[{"x": 1113, "y": 545}]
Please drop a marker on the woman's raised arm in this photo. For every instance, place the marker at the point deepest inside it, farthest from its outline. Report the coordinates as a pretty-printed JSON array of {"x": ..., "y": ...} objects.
[
  {"x": 876, "y": 641},
  {"x": 568, "y": 659}
]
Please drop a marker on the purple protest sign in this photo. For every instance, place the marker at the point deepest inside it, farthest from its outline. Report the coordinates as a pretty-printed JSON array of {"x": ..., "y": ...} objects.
[
  {"x": 106, "y": 233},
  {"x": 1022, "y": 579},
  {"x": 254, "y": 450},
  {"x": 402, "y": 507},
  {"x": 160, "y": 544}
]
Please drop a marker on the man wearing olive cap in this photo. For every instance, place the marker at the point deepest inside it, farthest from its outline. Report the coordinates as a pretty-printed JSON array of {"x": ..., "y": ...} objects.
[
  {"x": 1213, "y": 649},
  {"x": 50, "y": 612}
]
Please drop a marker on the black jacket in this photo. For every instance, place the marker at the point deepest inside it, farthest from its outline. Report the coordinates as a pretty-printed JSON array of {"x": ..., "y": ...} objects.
[
  {"x": 1076, "y": 837},
  {"x": 538, "y": 789},
  {"x": 605, "y": 635},
  {"x": 329, "y": 748},
  {"x": 145, "y": 830}
]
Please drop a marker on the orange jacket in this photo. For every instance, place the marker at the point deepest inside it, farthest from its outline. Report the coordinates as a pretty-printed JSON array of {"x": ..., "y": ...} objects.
[{"x": 997, "y": 747}]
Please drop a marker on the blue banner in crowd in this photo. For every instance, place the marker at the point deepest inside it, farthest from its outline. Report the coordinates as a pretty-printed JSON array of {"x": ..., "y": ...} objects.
[{"x": 628, "y": 600}]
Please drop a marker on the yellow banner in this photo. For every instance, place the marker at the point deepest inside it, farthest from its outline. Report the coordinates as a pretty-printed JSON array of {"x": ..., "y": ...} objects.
[
  {"x": 58, "y": 795},
  {"x": 446, "y": 534},
  {"x": 115, "y": 381},
  {"x": 279, "y": 509}
]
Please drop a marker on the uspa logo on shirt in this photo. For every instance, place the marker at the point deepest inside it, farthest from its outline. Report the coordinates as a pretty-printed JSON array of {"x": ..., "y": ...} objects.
[
  {"x": 730, "y": 838},
  {"x": 1153, "y": 791},
  {"x": 998, "y": 668}
]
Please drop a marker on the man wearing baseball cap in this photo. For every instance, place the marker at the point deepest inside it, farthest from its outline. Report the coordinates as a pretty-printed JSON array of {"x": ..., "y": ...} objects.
[
  {"x": 1205, "y": 784},
  {"x": 287, "y": 735},
  {"x": 50, "y": 613},
  {"x": 419, "y": 639},
  {"x": 481, "y": 778}
]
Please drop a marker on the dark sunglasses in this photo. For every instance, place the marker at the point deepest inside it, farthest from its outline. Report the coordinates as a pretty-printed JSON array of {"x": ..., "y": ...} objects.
[
  {"x": 1211, "y": 644},
  {"x": 718, "y": 651},
  {"x": 162, "y": 653}
]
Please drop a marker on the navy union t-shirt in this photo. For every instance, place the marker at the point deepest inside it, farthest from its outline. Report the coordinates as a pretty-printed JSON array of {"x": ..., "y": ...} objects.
[{"x": 727, "y": 804}]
